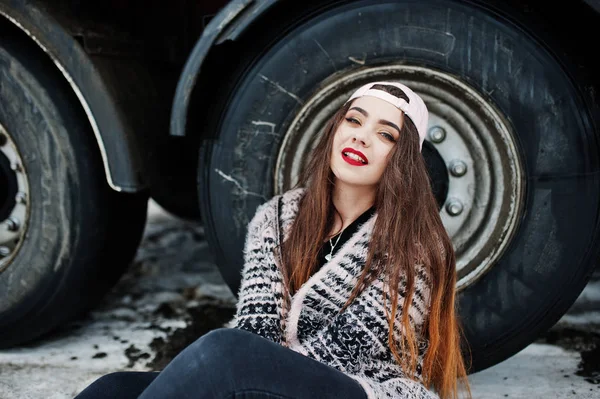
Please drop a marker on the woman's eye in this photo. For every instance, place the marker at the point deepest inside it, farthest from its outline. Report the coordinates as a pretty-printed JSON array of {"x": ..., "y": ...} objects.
[
  {"x": 353, "y": 120},
  {"x": 388, "y": 136}
]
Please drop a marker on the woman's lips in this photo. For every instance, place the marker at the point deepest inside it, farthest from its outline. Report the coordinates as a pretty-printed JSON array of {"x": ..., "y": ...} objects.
[{"x": 352, "y": 160}]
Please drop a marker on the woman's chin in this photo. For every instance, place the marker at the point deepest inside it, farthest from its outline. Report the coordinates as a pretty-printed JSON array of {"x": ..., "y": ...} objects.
[
  {"x": 351, "y": 175},
  {"x": 352, "y": 181}
]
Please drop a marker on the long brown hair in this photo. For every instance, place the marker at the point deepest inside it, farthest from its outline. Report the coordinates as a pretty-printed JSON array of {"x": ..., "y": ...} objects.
[{"x": 408, "y": 231}]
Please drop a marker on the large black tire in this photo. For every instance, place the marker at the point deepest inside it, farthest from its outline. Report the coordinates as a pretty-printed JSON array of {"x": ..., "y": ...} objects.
[
  {"x": 552, "y": 253},
  {"x": 79, "y": 235}
]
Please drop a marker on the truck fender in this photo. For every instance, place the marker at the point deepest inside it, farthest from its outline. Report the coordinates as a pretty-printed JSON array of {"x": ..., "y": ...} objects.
[
  {"x": 229, "y": 23},
  {"x": 114, "y": 137}
]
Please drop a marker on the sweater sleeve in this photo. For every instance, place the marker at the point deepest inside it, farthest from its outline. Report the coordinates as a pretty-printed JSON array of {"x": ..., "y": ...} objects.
[{"x": 257, "y": 305}]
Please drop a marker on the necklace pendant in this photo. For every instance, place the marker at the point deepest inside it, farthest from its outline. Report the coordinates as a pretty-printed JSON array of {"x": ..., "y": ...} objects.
[{"x": 328, "y": 257}]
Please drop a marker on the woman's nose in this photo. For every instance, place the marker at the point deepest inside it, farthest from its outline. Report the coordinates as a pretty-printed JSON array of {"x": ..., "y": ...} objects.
[{"x": 359, "y": 137}]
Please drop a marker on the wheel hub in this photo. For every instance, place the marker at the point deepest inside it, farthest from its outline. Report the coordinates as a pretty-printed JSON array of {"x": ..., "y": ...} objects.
[
  {"x": 8, "y": 187},
  {"x": 437, "y": 171},
  {"x": 14, "y": 194},
  {"x": 470, "y": 151}
]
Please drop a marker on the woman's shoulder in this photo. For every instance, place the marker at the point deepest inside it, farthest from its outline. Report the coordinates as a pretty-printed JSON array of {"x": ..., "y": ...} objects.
[
  {"x": 293, "y": 196},
  {"x": 288, "y": 198},
  {"x": 267, "y": 210}
]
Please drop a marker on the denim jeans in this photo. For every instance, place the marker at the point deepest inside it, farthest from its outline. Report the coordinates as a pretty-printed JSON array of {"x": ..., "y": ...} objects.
[{"x": 231, "y": 363}]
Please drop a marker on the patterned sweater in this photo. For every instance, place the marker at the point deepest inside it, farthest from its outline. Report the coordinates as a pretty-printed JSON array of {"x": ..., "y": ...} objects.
[{"x": 355, "y": 341}]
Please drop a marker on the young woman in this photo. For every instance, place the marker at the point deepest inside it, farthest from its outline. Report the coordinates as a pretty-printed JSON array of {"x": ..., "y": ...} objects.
[{"x": 348, "y": 283}]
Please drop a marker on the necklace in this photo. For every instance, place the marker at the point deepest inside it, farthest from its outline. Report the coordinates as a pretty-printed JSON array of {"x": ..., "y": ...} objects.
[{"x": 330, "y": 254}]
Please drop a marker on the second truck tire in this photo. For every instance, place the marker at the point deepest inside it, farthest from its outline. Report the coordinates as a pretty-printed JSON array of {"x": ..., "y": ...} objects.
[{"x": 74, "y": 236}]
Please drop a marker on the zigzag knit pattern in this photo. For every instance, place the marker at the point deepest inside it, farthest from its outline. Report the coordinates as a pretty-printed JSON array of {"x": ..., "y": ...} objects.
[{"x": 355, "y": 341}]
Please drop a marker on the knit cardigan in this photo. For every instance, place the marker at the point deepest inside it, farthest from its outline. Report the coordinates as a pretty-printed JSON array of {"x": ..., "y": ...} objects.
[{"x": 354, "y": 341}]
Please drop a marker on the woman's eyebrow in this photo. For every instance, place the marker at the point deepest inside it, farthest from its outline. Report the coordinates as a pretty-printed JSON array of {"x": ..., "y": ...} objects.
[
  {"x": 359, "y": 109},
  {"x": 381, "y": 121},
  {"x": 390, "y": 124}
]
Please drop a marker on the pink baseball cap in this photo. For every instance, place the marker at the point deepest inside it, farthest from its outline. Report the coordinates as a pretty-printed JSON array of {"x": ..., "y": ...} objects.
[{"x": 414, "y": 108}]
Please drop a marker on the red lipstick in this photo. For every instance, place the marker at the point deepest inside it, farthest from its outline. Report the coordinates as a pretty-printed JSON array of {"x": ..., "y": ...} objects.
[{"x": 353, "y": 161}]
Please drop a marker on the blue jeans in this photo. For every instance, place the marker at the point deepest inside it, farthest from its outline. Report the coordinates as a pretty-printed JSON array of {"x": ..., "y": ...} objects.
[{"x": 231, "y": 363}]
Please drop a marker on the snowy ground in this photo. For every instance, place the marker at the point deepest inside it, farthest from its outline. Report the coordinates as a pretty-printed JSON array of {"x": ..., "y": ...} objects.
[{"x": 168, "y": 297}]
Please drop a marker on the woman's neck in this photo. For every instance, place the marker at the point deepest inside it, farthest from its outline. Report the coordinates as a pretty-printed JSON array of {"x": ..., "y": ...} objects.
[{"x": 352, "y": 201}]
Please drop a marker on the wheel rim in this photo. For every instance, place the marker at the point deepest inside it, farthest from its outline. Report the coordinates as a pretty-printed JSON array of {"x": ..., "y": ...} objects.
[
  {"x": 14, "y": 199},
  {"x": 484, "y": 173}
]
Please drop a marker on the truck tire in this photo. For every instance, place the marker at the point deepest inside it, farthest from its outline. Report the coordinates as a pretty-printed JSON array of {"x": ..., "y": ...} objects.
[
  {"x": 509, "y": 120},
  {"x": 65, "y": 236}
]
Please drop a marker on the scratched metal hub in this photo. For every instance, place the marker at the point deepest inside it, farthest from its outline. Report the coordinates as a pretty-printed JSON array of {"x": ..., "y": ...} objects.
[
  {"x": 14, "y": 199},
  {"x": 485, "y": 175}
]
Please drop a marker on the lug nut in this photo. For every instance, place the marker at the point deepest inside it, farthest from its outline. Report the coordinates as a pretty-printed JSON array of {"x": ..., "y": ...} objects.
[
  {"x": 4, "y": 251},
  {"x": 21, "y": 197},
  {"x": 437, "y": 134},
  {"x": 454, "y": 207},
  {"x": 458, "y": 168},
  {"x": 12, "y": 224}
]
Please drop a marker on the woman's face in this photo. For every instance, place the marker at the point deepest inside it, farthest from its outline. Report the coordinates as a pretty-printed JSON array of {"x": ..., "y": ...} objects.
[{"x": 363, "y": 141}]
